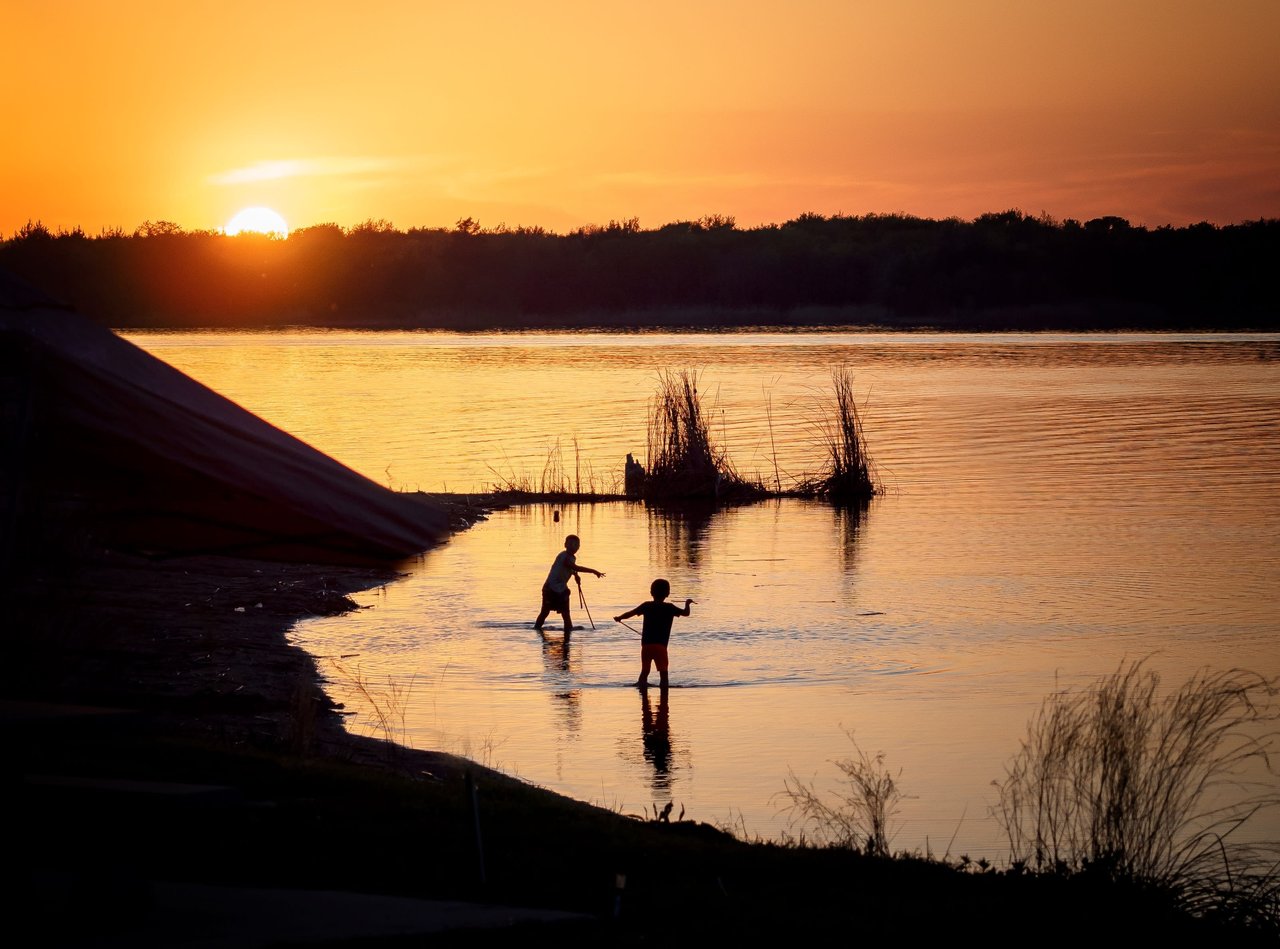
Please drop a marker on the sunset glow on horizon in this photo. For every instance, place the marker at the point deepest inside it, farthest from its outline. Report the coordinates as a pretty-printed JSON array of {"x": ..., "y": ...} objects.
[
  {"x": 259, "y": 221},
  {"x": 573, "y": 113}
]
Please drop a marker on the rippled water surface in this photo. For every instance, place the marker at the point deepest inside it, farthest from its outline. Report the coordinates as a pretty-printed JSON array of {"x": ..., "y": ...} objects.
[{"x": 1054, "y": 505}]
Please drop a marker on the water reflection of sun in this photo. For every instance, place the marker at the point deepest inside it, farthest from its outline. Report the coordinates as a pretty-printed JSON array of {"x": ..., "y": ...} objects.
[{"x": 259, "y": 220}]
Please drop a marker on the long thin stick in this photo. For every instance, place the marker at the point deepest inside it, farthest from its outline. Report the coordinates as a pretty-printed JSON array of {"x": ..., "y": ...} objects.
[{"x": 582, "y": 599}]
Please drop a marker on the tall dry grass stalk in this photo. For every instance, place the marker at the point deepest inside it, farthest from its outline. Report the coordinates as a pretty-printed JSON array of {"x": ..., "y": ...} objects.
[
  {"x": 1154, "y": 787},
  {"x": 386, "y": 707},
  {"x": 849, "y": 475},
  {"x": 857, "y": 816},
  {"x": 555, "y": 479}
]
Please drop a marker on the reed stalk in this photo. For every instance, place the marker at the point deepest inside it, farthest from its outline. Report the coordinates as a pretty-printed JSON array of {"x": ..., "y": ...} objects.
[
  {"x": 773, "y": 445},
  {"x": 849, "y": 476},
  {"x": 858, "y": 816},
  {"x": 555, "y": 480},
  {"x": 1153, "y": 787},
  {"x": 387, "y": 707}
]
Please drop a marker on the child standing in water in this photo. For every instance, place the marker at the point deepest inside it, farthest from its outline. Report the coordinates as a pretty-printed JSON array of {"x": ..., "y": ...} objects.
[
  {"x": 656, "y": 632},
  {"x": 555, "y": 591}
]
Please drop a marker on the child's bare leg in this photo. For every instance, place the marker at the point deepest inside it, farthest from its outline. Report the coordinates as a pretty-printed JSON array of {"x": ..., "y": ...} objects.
[
  {"x": 643, "y": 681},
  {"x": 542, "y": 616},
  {"x": 660, "y": 660},
  {"x": 568, "y": 623}
]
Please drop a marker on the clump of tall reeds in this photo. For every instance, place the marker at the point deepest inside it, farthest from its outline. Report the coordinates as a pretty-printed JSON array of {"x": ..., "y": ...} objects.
[
  {"x": 1153, "y": 788},
  {"x": 684, "y": 460},
  {"x": 848, "y": 477},
  {"x": 857, "y": 816}
]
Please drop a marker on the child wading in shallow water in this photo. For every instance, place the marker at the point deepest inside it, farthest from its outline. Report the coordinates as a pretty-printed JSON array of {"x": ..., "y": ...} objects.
[
  {"x": 555, "y": 591},
  {"x": 656, "y": 632}
]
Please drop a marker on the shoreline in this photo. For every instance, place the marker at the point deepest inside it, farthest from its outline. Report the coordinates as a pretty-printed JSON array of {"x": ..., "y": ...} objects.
[{"x": 167, "y": 732}]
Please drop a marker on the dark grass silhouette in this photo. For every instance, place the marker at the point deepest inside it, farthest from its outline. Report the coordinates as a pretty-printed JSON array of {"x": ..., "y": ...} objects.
[
  {"x": 848, "y": 477},
  {"x": 1153, "y": 788},
  {"x": 856, "y": 817},
  {"x": 685, "y": 462}
]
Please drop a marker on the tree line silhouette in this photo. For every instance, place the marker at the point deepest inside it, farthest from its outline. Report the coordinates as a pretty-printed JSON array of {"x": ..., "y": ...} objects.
[{"x": 1007, "y": 270}]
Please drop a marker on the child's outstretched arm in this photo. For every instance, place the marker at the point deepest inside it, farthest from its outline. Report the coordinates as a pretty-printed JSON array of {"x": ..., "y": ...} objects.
[
  {"x": 686, "y": 611},
  {"x": 581, "y": 569},
  {"x": 627, "y": 615}
]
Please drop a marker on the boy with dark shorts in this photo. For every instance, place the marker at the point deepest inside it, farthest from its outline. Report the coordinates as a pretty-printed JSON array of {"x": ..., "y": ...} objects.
[
  {"x": 555, "y": 591},
  {"x": 656, "y": 632}
]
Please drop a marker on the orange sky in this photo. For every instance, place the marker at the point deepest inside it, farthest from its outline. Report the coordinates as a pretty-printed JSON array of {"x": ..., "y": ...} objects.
[{"x": 568, "y": 113}]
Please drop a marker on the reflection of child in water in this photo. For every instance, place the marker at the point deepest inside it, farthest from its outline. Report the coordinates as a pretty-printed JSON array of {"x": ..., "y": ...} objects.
[
  {"x": 656, "y": 632},
  {"x": 656, "y": 735}
]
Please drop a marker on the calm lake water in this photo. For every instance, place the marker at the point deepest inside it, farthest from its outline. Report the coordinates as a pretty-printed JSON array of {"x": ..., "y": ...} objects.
[{"x": 1055, "y": 505}]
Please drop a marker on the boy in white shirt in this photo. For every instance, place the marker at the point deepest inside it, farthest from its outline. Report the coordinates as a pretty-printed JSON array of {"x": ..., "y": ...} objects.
[{"x": 555, "y": 591}]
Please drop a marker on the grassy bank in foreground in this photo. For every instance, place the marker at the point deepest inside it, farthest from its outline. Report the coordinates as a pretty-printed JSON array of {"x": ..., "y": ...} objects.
[
  {"x": 224, "y": 764},
  {"x": 334, "y": 825}
]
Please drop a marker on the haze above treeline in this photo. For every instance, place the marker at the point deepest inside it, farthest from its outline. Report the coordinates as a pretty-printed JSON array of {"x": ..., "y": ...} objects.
[{"x": 1000, "y": 271}]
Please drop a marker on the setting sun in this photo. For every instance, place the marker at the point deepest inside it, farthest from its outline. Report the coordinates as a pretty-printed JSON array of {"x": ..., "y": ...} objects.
[{"x": 261, "y": 220}]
